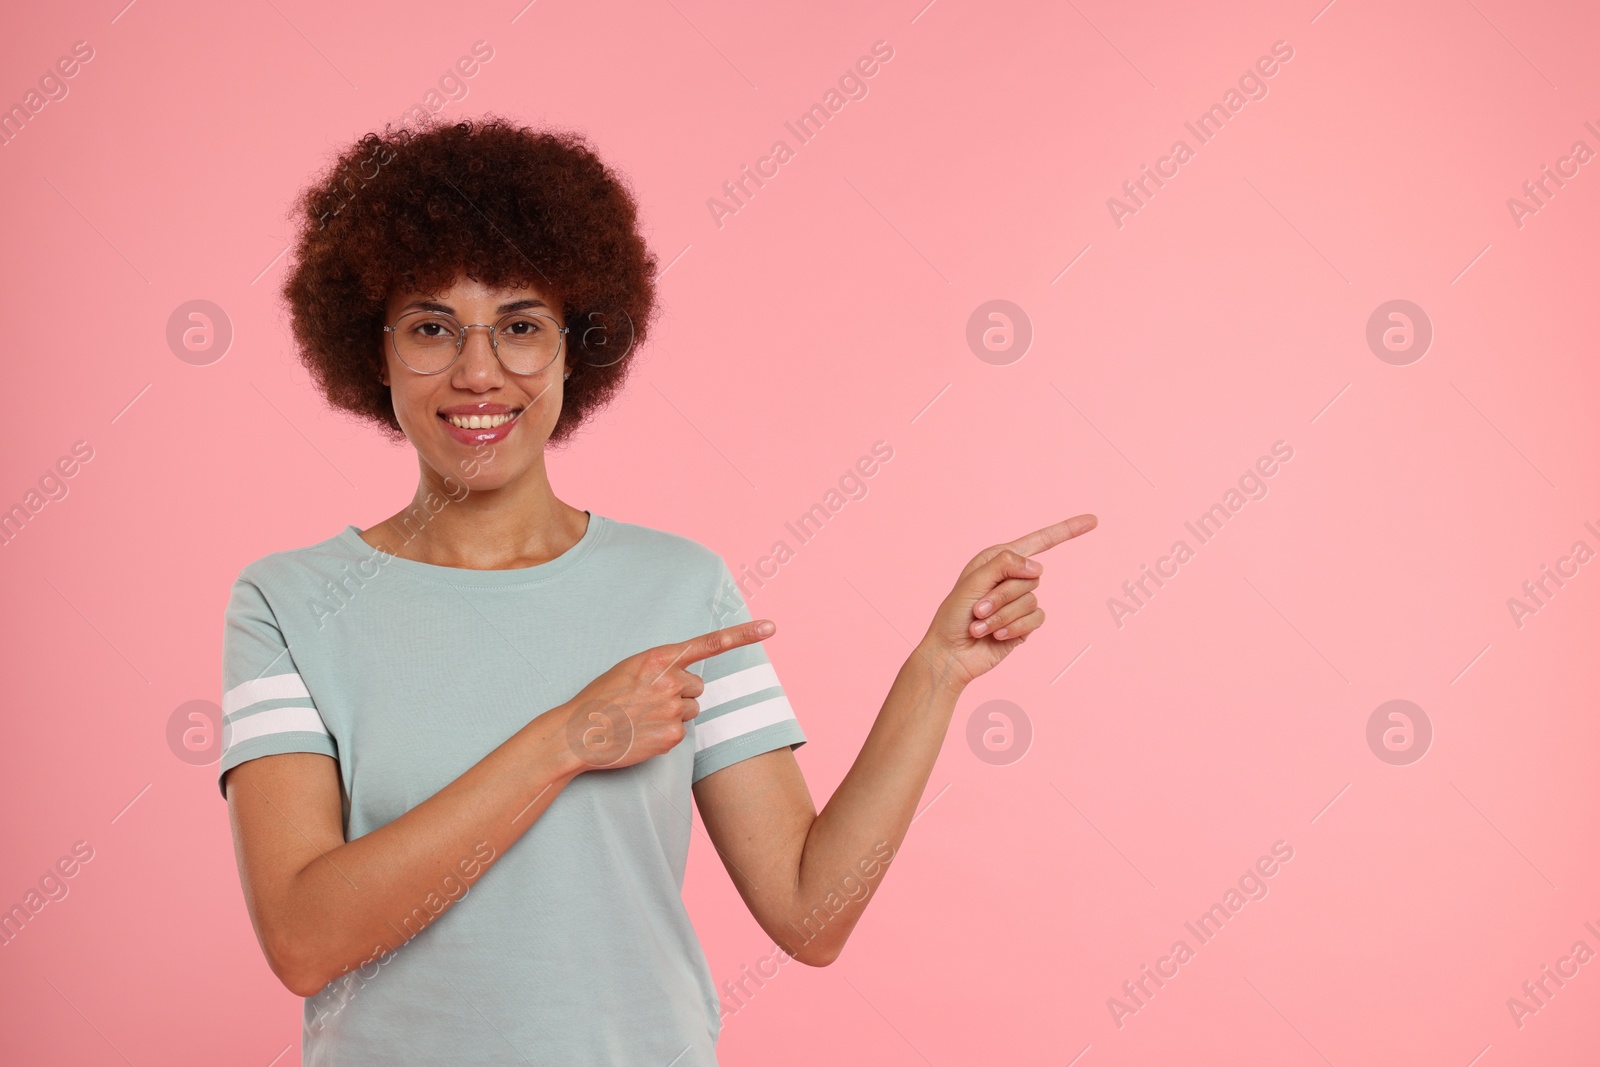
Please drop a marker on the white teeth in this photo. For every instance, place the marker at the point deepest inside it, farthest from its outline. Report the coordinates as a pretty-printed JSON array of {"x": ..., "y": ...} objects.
[{"x": 480, "y": 422}]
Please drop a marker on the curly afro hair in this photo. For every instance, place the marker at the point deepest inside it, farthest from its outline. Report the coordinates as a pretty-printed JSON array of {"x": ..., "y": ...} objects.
[{"x": 500, "y": 203}]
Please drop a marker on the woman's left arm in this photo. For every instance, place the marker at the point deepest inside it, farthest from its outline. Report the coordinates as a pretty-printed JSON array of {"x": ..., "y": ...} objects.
[{"x": 794, "y": 866}]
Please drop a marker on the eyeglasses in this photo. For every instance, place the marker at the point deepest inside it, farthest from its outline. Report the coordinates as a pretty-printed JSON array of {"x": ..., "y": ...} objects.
[{"x": 429, "y": 342}]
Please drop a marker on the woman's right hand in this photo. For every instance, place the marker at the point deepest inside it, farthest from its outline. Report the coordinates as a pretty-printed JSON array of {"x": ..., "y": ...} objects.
[{"x": 637, "y": 709}]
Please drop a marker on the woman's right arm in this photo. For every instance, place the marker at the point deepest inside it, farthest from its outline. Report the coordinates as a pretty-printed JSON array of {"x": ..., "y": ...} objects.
[{"x": 322, "y": 906}]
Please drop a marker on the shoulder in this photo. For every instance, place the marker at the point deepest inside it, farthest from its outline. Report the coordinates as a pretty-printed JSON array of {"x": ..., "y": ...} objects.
[
  {"x": 294, "y": 566},
  {"x": 663, "y": 547}
]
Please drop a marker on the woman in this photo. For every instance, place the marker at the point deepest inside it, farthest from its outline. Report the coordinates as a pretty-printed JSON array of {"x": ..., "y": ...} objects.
[{"x": 460, "y": 745}]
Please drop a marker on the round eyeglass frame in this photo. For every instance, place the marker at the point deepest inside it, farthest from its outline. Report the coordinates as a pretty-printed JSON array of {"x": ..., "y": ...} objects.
[{"x": 494, "y": 342}]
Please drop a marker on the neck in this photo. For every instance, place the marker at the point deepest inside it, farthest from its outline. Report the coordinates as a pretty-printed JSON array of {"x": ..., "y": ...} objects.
[{"x": 448, "y": 524}]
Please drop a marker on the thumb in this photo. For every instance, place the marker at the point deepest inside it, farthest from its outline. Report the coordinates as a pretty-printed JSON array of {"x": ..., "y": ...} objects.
[{"x": 1004, "y": 565}]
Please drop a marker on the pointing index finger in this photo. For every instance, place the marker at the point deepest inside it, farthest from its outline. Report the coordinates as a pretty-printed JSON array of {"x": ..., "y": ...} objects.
[
  {"x": 1052, "y": 535},
  {"x": 718, "y": 641}
]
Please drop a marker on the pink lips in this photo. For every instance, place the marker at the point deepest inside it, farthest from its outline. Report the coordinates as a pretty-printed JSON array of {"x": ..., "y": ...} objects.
[{"x": 482, "y": 435}]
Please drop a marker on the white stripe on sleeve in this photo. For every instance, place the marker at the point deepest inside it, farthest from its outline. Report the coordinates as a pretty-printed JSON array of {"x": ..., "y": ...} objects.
[
  {"x": 272, "y": 721},
  {"x": 738, "y": 684},
  {"x": 746, "y": 720},
  {"x": 276, "y": 687}
]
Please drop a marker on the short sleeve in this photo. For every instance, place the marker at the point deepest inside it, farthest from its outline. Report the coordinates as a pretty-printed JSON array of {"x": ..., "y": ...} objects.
[
  {"x": 266, "y": 707},
  {"x": 743, "y": 711}
]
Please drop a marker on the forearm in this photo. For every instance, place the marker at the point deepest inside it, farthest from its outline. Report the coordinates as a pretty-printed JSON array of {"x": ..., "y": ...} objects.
[
  {"x": 378, "y": 891},
  {"x": 868, "y": 815}
]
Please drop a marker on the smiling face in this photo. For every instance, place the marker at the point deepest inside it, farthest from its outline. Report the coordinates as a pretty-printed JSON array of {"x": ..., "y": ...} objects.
[{"x": 475, "y": 422}]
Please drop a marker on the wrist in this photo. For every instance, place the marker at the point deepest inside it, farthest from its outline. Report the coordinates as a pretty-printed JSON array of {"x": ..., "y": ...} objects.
[
  {"x": 560, "y": 745},
  {"x": 945, "y": 673}
]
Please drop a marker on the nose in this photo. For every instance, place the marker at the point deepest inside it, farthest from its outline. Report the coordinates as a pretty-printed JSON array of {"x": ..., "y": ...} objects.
[{"x": 478, "y": 368}]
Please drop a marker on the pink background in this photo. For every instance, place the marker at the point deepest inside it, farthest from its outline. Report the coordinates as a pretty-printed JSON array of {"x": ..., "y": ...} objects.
[{"x": 831, "y": 312}]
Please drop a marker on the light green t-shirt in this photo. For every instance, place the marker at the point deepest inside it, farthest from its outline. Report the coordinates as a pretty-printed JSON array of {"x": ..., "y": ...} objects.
[{"x": 574, "y": 947}]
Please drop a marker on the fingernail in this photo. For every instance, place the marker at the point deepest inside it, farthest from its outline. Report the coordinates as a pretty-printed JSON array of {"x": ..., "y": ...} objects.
[
  {"x": 765, "y": 628},
  {"x": 1031, "y": 567},
  {"x": 981, "y": 627},
  {"x": 984, "y": 607}
]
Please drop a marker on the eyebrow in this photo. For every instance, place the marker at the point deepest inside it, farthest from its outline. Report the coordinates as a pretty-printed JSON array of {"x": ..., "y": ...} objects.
[{"x": 435, "y": 305}]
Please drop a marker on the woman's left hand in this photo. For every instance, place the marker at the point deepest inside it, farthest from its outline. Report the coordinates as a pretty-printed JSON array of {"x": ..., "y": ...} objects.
[{"x": 992, "y": 608}]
